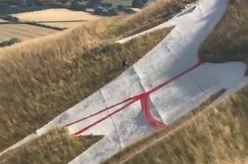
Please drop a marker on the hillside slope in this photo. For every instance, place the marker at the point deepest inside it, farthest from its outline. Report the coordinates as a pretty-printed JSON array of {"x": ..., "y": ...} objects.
[
  {"x": 219, "y": 134},
  {"x": 163, "y": 86},
  {"x": 54, "y": 73}
]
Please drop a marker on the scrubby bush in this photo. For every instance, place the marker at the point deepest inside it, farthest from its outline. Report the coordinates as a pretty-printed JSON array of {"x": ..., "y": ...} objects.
[
  {"x": 98, "y": 11},
  {"x": 13, "y": 2},
  {"x": 107, "y": 5},
  {"x": 43, "y": 25},
  {"x": 137, "y": 4},
  {"x": 63, "y": 1},
  {"x": 55, "y": 5},
  {"x": 93, "y": 3},
  {"x": 23, "y": 3},
  {"x": 10, "y": 18},
  {"x": 4, "y": 8},
  {"x": 38, "y": 3},
  {"x": 32, "y": 8},
  {"x": 79, "y": 7},
  {"x": 74, "y": 4},
  {"x": 120, "y": 7},
  {"x": 36, "y": 8},
  {"x": 4, "y": 43},
  {"x": 144, "y": 1},
  {"x": 30, "y": 3},
  {"x": 111, "y": 12}
]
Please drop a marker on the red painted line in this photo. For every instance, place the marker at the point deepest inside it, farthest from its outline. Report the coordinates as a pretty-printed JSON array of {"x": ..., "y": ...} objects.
[
  {"x": 144, "y": 98},
  {"x": 177, "y": 76},
  {"x": 101, "y": 111},
  {"x": 102, "y": 119},
  {"x": 145, "y": 103},
  {"x": 144, "y": 111}
]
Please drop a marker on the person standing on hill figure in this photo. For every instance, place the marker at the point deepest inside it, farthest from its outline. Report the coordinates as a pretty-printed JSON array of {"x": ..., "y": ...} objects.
[{"x": 125, "y": 64}]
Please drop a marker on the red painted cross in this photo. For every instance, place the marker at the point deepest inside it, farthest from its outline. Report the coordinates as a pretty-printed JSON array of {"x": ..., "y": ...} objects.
[{"x": 144, "y": 99}]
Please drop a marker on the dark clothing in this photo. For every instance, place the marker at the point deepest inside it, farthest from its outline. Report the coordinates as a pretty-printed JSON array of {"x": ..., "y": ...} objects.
[{"x": 125, "y": 63}]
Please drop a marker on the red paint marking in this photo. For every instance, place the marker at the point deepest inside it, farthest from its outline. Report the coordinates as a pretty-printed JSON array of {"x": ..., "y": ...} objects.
[
  {"x": 145, "y": 104},
  {"x": 177, "y": 76},
  {"x": 102, "y": 119},
  {"x": 101, "y": 111},
  {"x": 144, "y": 98}
]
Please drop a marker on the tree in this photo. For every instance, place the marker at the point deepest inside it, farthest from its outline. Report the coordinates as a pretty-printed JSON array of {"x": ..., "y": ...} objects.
[
  {"x": 22, "y": 3},
  {"x": 64, "y": 1},
  {"x": 93, "y": 3},
  {"x": 144, "y": 1},
  {"x": 74, "y": 4},
  {"x": 137, "y": 4},
  {"x": 30, "y": 2},
  {"x": 98, "y": 11},
  {"x": 5, "y": 8}
]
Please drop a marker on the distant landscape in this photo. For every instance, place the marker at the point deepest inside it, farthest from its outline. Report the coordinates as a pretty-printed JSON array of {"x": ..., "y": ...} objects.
[
  {"x": 56, "y": 15},
  {"x": 96, "y": 7}
]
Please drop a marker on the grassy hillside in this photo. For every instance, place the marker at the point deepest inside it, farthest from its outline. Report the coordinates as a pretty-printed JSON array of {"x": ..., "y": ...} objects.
[
  {"x": 42, "y": 78},
  {"x": 39, "y": 96},
  {"x": 219, "y": 136},
  {"x": 159, "y": 10}
]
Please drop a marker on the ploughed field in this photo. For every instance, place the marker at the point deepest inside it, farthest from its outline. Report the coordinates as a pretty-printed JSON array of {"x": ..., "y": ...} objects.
[{"x": 22, "y": 31}]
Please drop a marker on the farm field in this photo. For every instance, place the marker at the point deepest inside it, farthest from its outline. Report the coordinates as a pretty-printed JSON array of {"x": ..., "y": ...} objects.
[
  {"x": 22, "y": 31},
  {"x": 57, "y": 15}
]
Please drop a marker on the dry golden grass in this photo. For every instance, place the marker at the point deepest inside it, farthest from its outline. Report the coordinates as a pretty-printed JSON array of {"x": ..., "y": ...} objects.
[
  {"x": 219, "y": 135},
  {"x": 55, "y": 147},
  {"x": 158, "y": 10},
  {"x": 42, "y": 78},
  {"x": 42, "y": 88},
  {"x": 142, "y": 145}
]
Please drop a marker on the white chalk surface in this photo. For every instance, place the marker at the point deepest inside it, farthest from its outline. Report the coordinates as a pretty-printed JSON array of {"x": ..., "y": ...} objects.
[{"x": 173, "y": 61}]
